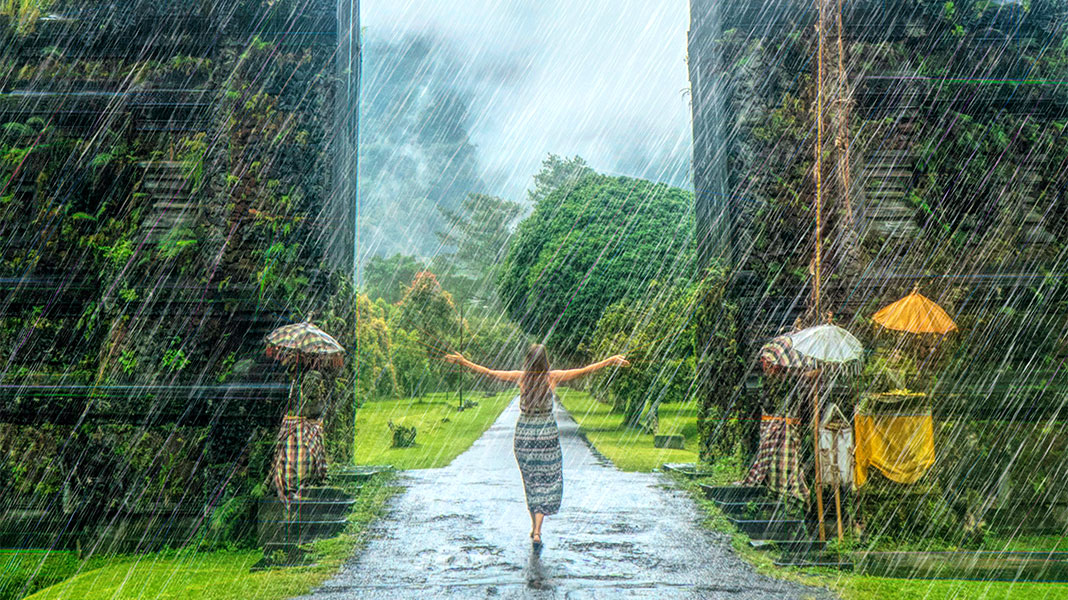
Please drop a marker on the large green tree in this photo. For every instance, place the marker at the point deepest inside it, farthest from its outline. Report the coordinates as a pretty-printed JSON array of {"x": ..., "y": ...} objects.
[
  {"x": 589, "y": 244},
  {"x": 425, "y": 326}
]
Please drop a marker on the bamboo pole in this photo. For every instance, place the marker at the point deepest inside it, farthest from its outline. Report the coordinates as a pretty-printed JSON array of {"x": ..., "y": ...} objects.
[
  {"x": 818, "y": 172},
  {"x": 842, "y": 146},
  {"x": 842, "y": 134}
]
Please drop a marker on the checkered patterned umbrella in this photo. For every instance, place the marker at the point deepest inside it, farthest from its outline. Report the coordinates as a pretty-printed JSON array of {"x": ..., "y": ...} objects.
[
  {"x": 305, "y": 344},
  {"x": 779, "y": 353}
]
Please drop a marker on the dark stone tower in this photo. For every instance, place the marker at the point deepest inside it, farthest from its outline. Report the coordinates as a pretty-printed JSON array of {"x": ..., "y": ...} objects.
[{"x": 177, "y": 179}]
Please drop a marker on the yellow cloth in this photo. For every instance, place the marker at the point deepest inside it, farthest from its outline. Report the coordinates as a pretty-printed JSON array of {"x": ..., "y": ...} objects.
[{"x": 900, "y": 446}]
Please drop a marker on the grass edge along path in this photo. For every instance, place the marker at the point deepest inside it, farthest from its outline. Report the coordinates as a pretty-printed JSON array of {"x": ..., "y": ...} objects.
[
  {"x": 224, "y": 574},
  {"x": 853, "y": 586},
  {"x": 631, "y": 449},
  {"x": 442, "y": 431}
]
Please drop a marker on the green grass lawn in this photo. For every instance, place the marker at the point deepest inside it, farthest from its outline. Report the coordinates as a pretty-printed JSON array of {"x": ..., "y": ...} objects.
[
  {"x": 26, "y": 571},
  {"x": 631, "y": 449},
  {"x": 220, "y": 575},
  {"x": 861, "y": 587},
  {"x": 442, "y": 431}
]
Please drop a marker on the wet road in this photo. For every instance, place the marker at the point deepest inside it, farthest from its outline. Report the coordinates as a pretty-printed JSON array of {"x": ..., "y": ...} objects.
[{"x": 462, "y": 532}]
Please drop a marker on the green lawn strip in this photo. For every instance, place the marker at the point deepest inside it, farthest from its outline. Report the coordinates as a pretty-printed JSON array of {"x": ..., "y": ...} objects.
[
  {"x": 223, "y": 574},
  {"x": 631, "y": 449},
  {"x": 442, "y": 431},
  {"x": 852, "y": 586},
  {"x": 23, "y": 572}
]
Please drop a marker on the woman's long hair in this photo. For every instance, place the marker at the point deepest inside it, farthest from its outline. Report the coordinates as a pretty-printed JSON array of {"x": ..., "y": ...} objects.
[{"x": 536, "y": 375}]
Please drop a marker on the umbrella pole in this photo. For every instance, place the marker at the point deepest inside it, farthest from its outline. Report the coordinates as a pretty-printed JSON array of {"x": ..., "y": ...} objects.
[
  {"x": 816, "y": 456},
  {"x": 461, "y": 384},
  {"x": 837, "y": 486},
  {"x": 838, "y": 508}
]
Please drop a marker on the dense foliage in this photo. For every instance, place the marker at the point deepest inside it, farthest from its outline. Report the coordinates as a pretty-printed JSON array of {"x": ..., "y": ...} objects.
[
  {"x": 957, "y": 153},
  {"x": 589, "y": 245},
  {"x": 657, "y": 337},
  {"x": 387, "y": 278}
]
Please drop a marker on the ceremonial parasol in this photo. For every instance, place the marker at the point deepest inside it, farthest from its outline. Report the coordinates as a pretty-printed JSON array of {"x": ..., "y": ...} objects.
[
  {"x": 305, "y": 344},
  {"x": 829, "y": 346},
  {"x": 915, "y": 313}
]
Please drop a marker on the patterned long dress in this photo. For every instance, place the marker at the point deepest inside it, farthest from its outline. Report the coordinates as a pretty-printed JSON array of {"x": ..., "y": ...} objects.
[{"x": 537, "y": 450}]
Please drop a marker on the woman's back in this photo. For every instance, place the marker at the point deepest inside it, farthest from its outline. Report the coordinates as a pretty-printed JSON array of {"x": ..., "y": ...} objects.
[{"x": 535, "y": 400}]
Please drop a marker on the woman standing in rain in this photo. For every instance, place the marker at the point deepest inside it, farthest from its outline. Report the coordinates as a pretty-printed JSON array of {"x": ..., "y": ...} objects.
[{"x": 537, "y": 440}]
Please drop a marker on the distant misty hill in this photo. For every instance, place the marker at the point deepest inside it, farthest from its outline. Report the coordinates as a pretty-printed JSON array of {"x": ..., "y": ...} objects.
[{"x": 415, "y": 154}]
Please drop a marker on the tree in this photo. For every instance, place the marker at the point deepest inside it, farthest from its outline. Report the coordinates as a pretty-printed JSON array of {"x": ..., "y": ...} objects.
[
  {"x": 557, "y": 173},
  {"x": 478, "y": 235},
  {"x": 427, "y": 318},
  {"x": 387, "y": 278},
  {"x": 589, "y": 245},
  {"x": 657, "y": 337},
  {"x": 375, "y": 375}
]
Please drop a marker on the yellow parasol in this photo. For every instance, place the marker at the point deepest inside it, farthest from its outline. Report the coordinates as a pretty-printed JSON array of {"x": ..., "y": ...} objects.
[{"x": 915, "y": 313}]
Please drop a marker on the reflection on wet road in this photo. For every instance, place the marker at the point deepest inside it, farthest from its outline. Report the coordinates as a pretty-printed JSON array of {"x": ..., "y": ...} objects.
[{"x": 462, "y": 532}]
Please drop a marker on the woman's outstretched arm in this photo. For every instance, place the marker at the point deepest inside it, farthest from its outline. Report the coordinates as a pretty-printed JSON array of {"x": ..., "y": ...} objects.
[
  {"x": 566, "y": 375},
  {"x": 458, "y": 359}
]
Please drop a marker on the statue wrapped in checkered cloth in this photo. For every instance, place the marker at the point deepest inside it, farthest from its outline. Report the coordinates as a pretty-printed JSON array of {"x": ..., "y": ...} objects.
[
  {"x": 776, "y": 464},
  {"x": 300, "y": 457}
]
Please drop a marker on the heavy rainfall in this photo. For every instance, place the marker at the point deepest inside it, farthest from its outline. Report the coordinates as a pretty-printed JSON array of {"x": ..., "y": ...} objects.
[{"x": 515, "y": 299}]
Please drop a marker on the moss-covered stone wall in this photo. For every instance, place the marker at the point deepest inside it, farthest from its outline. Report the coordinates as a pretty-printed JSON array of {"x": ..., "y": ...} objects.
[{"x": 954, "y": 114}]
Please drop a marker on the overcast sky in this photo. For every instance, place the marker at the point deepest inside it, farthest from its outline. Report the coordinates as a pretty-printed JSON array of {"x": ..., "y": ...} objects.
[{"x": 603, "y": 79}]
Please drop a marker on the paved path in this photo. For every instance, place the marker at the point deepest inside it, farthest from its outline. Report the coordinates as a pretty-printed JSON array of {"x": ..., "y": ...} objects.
[{"x": 462, "y": 532}]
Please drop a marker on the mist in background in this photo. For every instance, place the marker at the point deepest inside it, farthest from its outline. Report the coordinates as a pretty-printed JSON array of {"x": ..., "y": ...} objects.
[{"x": 472, "y": 95}]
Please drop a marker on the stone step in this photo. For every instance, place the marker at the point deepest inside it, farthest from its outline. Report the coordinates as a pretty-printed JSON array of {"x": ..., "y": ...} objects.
[
  {"x": 274, "y": 510},
  {"x": 357, "y": 474},
  {"x": 752, "y": 508},
  {"x": 875, "y": 187},
  {"x": 168, "y": 220},
  {"x": 158, "y": 184},
  {"x": 979, "y": 565},
  {"x": 325, "y": 492},
  {"x": 886, "y": 194},
  {"x": 731, "y": 493},
  {"x": 687, "y": 470},
  {"x": 801, "y": 547},
  {"x": 771, "y": 529},
  {"x": 826, "y": 562},
  {"x": 40, "y": 535},
  {"x": 170, "y": 206},
  {"x": 876, "y": 173},
  {"x": 299, "y": 532}
]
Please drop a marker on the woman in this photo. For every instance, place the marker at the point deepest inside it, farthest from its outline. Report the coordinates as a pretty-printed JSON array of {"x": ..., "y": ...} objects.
[{"x": 537, "y": 441}]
